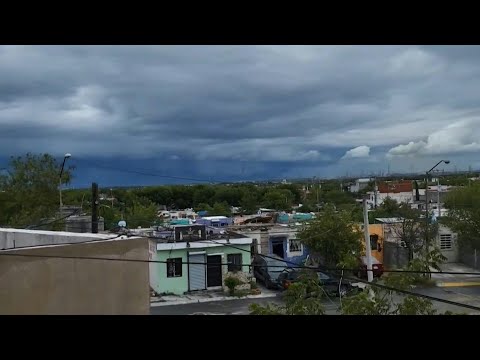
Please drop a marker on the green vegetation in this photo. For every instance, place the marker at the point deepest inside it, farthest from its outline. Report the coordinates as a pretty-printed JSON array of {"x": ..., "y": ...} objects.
[
  {"x": 335, "y": 235},
  {"x": 29, "y": 189},
  {"x": 231, "y": 282},
  {"x": 463, "y": 206}
]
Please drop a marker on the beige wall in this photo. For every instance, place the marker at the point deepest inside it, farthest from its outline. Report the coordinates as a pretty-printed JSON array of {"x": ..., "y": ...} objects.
[{"x": 35, "y": 285}]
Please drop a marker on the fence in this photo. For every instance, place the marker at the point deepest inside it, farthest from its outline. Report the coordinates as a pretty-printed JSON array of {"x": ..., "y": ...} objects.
[
  {"x": 469, "y": 257},
  {"x": 394, "y": 256}
]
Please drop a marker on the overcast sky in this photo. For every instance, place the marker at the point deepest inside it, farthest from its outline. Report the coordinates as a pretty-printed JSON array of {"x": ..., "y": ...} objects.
[{"x": 242, "y": 111}]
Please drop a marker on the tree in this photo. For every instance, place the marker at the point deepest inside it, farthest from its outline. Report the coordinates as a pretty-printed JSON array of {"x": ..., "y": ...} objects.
[
  {"x": 463, "y": 206},
  {"x": 380, "y": 301},
  {"x": 410, "y": 231},
  {"x": 30, "y": 189},
  {"x": 203, "y": 207},
  {"x": 306, "y": 298},
  {"x": 142, "y": 212},
  {"x": 302, "y": 298},
  {"x": 337, "y": 197},
  {"x": 220, "y": 209},
  {"x": 232, "y": 195},
  {"x": 249, "y": 203},
  {"x": 333, "y": 235},
  {"x": 203, "y": 194},
  {"x": 278, "y": 199}
]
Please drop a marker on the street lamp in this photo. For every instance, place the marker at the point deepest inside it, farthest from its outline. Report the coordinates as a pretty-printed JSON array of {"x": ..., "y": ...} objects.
[
  {"x": 67, "y": 155},
  {"x": 426, "y": 202}
]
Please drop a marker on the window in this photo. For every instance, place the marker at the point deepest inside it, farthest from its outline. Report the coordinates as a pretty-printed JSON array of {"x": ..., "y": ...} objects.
[
  {"x": 374, "y": 242},
  {"x": 234, "y": 262},
  {"x": 174, "y": 267},
  {"x": 445, "y": 241},
  {"x": 253, "y": 247},
  {"x": 295, "y": 245}
]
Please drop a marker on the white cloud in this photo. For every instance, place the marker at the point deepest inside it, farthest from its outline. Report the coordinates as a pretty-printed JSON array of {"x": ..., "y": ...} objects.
[
  {"x": 408, "y": 149},
  {"x": 362, "y": 151},
  {"x": 461, "y": 136},
  {"x": 415, "y": 62}
]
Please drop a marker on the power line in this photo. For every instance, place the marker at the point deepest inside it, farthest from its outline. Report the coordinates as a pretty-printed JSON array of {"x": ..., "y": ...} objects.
[
  {"x": 143, "y": 172},
  {"x": 433, "y": 298},
  {"x": 64, "y": 243},
  {"x": 204, "y": 263}
]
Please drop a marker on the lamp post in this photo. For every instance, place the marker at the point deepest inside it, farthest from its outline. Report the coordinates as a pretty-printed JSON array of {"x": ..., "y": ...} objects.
[
  {"x": 426, "y": 203},
  {"x": 67, "y": 155}
]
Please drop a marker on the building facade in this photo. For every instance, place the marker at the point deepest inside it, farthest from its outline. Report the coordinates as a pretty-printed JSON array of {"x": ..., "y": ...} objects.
[
  {"x": 185, "y": 264},
  {"x": 275, "y": 239}
]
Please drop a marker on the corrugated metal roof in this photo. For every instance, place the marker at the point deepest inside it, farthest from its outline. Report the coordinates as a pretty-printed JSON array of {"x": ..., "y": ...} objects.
[{"x": 389, "y": 220}]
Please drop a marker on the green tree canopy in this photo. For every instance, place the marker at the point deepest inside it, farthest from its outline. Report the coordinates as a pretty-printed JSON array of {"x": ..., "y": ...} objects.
[
  {"x": 30, "y": 190},
  {"x": 334, "y": 235},
  {"x": 463, "y": 206}
]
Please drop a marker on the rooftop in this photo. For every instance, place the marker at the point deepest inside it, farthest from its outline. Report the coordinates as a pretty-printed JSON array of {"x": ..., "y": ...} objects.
[
  {"x": 11, "y": 239},
  {"x": 214, "y": 218},
  {"x": 392, "y": 220}
]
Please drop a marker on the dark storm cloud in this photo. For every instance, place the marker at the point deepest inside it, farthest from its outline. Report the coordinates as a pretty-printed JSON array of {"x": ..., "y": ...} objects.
[{"x": 308, "y": 104}]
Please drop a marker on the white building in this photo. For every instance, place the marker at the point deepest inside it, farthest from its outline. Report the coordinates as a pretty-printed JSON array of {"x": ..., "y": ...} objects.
[{"x": 359, "y": 185}]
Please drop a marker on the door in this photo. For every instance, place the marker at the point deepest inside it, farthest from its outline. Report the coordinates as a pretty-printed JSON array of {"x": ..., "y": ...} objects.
[
  {"x": 277, "y": 248},
  {"x": 196, "y": 272},
  {"x": 214, "y": 270}
]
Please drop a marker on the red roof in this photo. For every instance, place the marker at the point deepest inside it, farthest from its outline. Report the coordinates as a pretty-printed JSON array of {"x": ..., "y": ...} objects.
[{"x": 395, "y": 187}]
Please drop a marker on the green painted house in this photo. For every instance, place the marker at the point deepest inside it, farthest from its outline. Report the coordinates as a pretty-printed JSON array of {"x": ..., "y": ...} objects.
[{"x": 189, "y": 263}]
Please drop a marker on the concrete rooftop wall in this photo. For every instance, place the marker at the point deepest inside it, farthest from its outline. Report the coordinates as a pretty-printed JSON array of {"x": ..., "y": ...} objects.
[
  {"x": 16, "y": 238},
  {"x": 49, "y": 285}
]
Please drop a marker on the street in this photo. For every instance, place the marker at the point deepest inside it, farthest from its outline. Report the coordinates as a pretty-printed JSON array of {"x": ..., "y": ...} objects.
[
  {"x": 466, "y": 295},
  {"x": 231, "y": 307}
]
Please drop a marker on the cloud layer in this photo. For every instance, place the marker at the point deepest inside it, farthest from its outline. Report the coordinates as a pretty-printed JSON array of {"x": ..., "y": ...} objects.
[
  {"x": 289, "y": 110},
  {"x": 358, "y": 152}
]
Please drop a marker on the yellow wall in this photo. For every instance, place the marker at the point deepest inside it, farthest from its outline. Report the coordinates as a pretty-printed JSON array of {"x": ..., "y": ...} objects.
[{"x": 377, "y": 229}]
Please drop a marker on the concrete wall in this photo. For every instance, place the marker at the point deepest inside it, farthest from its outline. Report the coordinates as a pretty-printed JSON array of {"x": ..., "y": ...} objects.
[
  {"x": 47, "y": 286},
  {"x": 82, "y": 224},
  {"x": 394, "y": 256},
  {"x": 470, "y": 257},
  {"x": 18, "y": 238},
  {"x": 451, "y": 254}
]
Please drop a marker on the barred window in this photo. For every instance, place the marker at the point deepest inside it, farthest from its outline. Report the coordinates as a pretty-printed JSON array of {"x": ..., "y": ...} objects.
[
  {"x": 295, "y": 245},
  {"x": 174, "y": 267},
  {"x": 234, "y": 262},
  {"x": 445, "y": 241}
]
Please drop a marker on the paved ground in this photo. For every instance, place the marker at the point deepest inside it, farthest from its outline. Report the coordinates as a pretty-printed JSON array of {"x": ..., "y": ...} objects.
[
  {"x": 456, "y": 280},
  {"x": 466, "y": 295},
  {"x": 469, "y": 295},
  {"x": 207, "y": 296},
  {"x": 232, "y": 307}
]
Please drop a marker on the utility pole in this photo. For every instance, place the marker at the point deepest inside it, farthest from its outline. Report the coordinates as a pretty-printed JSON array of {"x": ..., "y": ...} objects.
[
  {"x": 375, "y": 189},
  {"x": 426, "y": 212},
  {"x": 66, "y": 156},
  {"x": 94, "y": 208},
  {"x": 438, "y": 196},
  {"x": 427, "y": 220},
  {"x": 367, "y": 241}
]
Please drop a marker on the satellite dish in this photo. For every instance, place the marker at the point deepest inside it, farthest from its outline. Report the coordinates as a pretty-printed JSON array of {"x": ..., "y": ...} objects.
[{"x": 122, "y": 223}]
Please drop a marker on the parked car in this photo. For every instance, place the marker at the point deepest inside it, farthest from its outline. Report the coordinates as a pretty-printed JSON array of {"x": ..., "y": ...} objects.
[
  {"x": 267, "y": 269},
  {"x": 330, "y": 284},
  {"x": 377, "y": 267}
]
